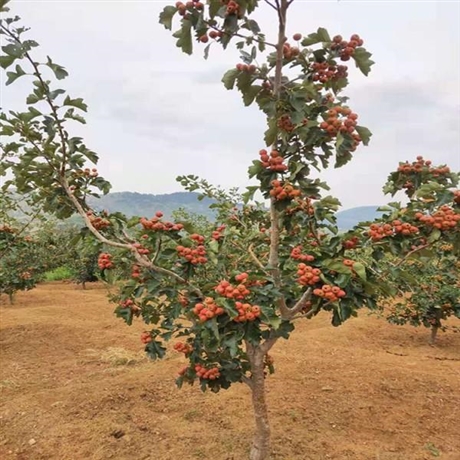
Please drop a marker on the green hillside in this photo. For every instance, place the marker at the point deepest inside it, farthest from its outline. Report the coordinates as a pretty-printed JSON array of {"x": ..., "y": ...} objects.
[{"x": 145, "y": 205}]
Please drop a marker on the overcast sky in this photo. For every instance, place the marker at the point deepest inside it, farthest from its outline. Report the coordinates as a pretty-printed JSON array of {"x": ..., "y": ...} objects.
[{"x": 155, "y": 113}]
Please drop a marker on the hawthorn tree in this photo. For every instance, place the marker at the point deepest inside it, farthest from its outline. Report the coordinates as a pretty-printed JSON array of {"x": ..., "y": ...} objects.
[
  {"x": 431, "y": 282},
  {"x": 21, "y": 266},
  {"x": 226, "y": 295}
]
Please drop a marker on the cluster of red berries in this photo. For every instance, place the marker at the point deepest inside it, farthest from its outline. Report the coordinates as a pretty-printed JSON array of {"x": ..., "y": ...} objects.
[
  {"x": 246, "y": 312},
  {"x": 155, "y": 224},
  {"x": 232, "y": 7},
  {"x": 203, "y": 373},
  {"x": 140, "y": 249},
  {"x": 273, "y": 162},
  {"x": 285, "y": 123},
  {"x": 343, "y": 120},
  {"x": 126, "y": 303},
  {"x": 87, "y": 172},
  {"x": 97, "y": 222},
  {"x": 296, "y": 254},
  {"x": 422, "y": 165},
  {"x": 251, "y": 68},
  {"x": 378, "y": 232},
  {"x": 215, "y": 34},
  {"x": 146, "y": 337},
  {"x": 183, "y": 300},
  {"x": 266, "y": 85},
  {"x": 305, "y": 205},
  {"x": 105, "y": 261},
  {"x": 351, "y": 243},
  {"x": 183, "y": 7},
  {"x": 445, "y": 218},
  {"x": 308, "y": 276},
  {"x": 194, "y": 256},
  {"x": 290, "y": 52},
  {"x": 331, "y": 293},
  {"x": 208, "y": 309},
  {"x": 135, "y": 271},
  {"x": 225, "y": 289},
  {"x": 324, "y": 72},
  {"x": 346, "y": 49},
  {"x": 457, "y": 196},
  {"x": 181, "y": 347},
  {"x": 7, "y": 229},
  {"x": 218, "y": 233},
  {"x": 283, "y": 191}
]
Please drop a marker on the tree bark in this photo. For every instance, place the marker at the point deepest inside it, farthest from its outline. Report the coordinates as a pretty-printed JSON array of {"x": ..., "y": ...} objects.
[
  {"x": 11, "y": 297},
  {"x": 260, "y": 449},
  {"x": 434, "y": 333}
]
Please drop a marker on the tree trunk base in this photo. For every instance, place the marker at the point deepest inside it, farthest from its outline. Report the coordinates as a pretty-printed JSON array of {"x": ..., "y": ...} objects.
[
  {"x": 434, "y": 333},
  {"x": 258, "y": 453}
]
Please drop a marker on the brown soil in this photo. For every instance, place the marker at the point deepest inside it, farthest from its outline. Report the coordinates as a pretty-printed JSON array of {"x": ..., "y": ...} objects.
[{"x": 75, "y": 385}]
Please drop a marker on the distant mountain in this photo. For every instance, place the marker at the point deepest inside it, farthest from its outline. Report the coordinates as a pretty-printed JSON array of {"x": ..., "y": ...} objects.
[
  {"x": 350, "y": 217},
  {"x": 146, "y": 205},
  {"x": 143, "y": 204}
]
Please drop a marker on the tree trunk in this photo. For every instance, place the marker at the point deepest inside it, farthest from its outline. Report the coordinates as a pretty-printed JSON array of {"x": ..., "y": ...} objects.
[
  {"x": 11, "y": 297},
  {"x": 261, "y": 445},
  {"x": 434, "y": 333}
]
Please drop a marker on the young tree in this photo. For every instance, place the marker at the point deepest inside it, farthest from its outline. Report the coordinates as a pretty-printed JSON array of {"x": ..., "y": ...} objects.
[
  {"x": 21, "y": 266},
  {"x": 233, "y": 292}
]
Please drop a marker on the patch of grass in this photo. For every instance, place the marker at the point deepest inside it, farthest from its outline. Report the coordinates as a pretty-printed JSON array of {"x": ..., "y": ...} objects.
[
  {"x": 191, "y": 415},
  {"x": 59, "y": 274},
  {"x": 117, "y": 356},
  {"x": 432, "y": 449}
]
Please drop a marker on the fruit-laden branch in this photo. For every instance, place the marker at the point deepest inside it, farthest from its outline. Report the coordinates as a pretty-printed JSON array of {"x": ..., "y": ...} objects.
[{"x": 60, "y": 170}]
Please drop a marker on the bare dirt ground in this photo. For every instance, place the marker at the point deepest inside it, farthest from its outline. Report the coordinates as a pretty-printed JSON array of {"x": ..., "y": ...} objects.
[{"x": 75, "y": 384}]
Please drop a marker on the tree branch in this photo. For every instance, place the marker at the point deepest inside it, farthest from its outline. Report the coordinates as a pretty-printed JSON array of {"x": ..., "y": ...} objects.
[
  {"x": 273, "y": 258},
  {"x": 271, "y": 4},
  {"x": 255, "y": 258},
  {"x": 419, "y": 248}
]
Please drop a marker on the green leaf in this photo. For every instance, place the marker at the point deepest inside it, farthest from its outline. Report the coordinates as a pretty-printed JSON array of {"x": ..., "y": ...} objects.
[
  {"x": 166, "y": 16},
  {"x": 271, "y": 133},
  {"x": 363, "y": 61},
  {"x": 184, "y": 36},
  {"x": 250, "y": 94},
  {"x": 323, "y": 35},
  {"x": 58, "y": 70},
  {"x": 229, "y": 78},
  {"x": 214, "y": 328},
  {"x": 214, "y": 7},
  {"x": 434, "y": 235},
  {"x": 3, "y": 4},
  {"x": 364, "y": 134},
  {"x": 78, "y": 103},
  {"x": 13, "y": 50},
  {"x": 255, "y": 168},
  {"x": 73, "y": 116},
  {"x": 6, "y": 61},
  {"x": 12, "y": 76},
  {"x": 360, "y": 270},
  {"x": 32, "y": 99}
]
